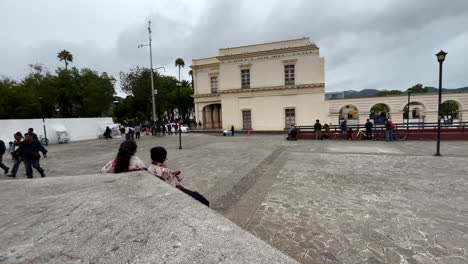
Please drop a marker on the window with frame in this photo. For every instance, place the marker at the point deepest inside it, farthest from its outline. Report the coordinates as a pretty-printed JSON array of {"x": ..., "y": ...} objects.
[
  {"x": 245, "y": 77},
  {"x": 214, "y": 85},
  {"x": 246, "y": 119},
  {"x": 290, "y": 117},
  {"x": 289, "y": 74}
]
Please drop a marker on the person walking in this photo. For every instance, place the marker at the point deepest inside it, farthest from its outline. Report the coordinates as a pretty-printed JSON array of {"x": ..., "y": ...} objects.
[
  {"x": 16, "y": 162},
  {"x": 317, "y": 129},
  {"x": 2, "y": 151},
  {"x": 11, "y": 149},
  {"x": 28, "y": 152},
  {"x": 137, "y": 131},
  {"x": 107, "y": 133},
  {"x": 389, "y": 127},
  {"x": 344, "y": 129},
  {"x": 232, "y": 130},
  {"x": 369, "y": 127},
  {"x": 34, "y": 135}
]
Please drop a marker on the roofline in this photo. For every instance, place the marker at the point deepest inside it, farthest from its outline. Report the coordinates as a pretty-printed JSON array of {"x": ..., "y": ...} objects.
[
  {"x": 252, "y": 45},
  {"x": 214, "y": 57},
  {"x": 399, "y": 95}
]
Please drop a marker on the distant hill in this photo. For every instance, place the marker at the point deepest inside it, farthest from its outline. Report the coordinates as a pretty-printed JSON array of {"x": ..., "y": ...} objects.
[{"x": 373, "y": 92}]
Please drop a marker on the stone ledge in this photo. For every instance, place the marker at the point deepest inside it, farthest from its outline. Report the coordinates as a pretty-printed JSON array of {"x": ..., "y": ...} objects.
[{"x": 118, "y": 218}]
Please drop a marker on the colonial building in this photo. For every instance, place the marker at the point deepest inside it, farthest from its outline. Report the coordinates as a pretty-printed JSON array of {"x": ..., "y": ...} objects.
[
  {"x": 273, "y": 85},
  {"x": 266, "y": 86}
]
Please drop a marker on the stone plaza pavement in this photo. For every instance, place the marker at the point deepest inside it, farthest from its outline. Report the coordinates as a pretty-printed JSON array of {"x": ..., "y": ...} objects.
[{"x": 317, "y": 201}]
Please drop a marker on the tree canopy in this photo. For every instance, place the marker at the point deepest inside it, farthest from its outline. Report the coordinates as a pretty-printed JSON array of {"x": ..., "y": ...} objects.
[
  {"x": 137, "y": 105},
  {"x": 389, "y": 92},
  {"x": 65, "y": 56},
  {"x": 67, "y": 93}
]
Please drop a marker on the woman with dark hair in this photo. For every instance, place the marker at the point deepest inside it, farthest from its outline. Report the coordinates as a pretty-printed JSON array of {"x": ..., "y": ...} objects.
[
  {"x": 126, "y": 160},
  {"x": 158, "y": 169}
]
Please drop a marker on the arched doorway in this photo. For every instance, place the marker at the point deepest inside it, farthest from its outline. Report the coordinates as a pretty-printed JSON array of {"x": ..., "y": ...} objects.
[
  {"x": 415, "y": 115},
  {"x": 349, "y": 113},
  {"x": 212, "y": 116},
  {"x": 450, "y": 110},
  {"x": 379, "y": 113}
]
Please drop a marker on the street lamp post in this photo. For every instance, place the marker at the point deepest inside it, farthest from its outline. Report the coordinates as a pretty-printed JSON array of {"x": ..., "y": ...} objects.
[
  {"x": 178, "y": 102},
  {"x": 408, "y": 113},
  {"x": 152, "y": 72},
  {"x": 43, "y": 120},
  {"x": 440, "y": 58}
]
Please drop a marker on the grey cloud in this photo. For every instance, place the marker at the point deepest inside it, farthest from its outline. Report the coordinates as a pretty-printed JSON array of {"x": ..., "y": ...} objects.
[{"x": 385, "y": 44}]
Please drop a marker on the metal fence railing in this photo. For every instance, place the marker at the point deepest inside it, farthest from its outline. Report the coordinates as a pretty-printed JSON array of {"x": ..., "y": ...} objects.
[{"x": 400, "y": 126}]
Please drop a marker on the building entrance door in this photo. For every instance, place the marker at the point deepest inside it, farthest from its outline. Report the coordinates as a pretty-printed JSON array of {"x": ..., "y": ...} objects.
[{"x": 246, "y": 119}]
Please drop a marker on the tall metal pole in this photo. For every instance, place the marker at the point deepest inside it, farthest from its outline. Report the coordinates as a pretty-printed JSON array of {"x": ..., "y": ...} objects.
[
  {"x": 43, "y": 120},
  {"x": 407, "y": 117},
  {"x": 178, "y": 102},
  {"x": 439, "y": 115},
  {"x": 152, "y": 73}
]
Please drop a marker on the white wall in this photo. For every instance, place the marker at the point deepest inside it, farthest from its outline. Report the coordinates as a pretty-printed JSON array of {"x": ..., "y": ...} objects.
[{"x": 78, "y": 128}]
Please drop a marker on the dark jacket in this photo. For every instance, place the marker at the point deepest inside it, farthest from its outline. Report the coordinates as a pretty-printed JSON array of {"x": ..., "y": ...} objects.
[
  {"x": 369, "y": 125},
  {"x": 317, "y": 126},
  {"x": 30, "y": 150},
  {"x": 2, "y": 147},
  {"x": 344, "y": 126}
]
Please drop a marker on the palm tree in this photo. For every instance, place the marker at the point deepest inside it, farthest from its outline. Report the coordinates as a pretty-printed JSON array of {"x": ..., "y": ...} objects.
[
  {"x": 65, "y": 56},
  {"x": 191, "y": 75},
  {"x": 179, "y": 63}
]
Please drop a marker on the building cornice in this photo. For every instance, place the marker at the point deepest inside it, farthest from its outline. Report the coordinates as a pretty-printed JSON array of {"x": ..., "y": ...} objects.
[
  {"x": 205, "y": 66},
  {"x": 261, "y": 89},
  {"x": 206, "y": 95},
  {"x": 267, "y": 52}
]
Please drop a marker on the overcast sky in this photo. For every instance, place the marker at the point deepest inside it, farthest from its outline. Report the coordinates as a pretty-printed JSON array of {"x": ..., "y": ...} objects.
[{"x": 384, "y": 44}]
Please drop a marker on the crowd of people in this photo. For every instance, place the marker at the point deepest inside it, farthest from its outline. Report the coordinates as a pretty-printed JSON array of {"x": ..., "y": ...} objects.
[
  {"x": 127, "y": 161},
  {"x": 25, "y": 148},
  {"x": 323, "y": 132},
  {"x": 133, "y": 132}
]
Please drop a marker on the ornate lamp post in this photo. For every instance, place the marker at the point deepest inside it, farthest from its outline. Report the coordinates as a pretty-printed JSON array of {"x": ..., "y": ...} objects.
[
  {"x": 440, "y": 58},
  {"x": 408, "y": 113}
]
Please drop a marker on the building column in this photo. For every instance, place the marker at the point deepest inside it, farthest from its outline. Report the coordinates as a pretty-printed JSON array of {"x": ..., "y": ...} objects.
[
  {"x": 209, "y": 116},
  {"x": 220, "y": 117},
  {"x": 215, "y": 116}
]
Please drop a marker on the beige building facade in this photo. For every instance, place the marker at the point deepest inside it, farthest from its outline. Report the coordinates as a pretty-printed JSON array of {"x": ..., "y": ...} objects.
[
  {"x": 261, "y": 87},
  {"x": 273, "y": 85}
]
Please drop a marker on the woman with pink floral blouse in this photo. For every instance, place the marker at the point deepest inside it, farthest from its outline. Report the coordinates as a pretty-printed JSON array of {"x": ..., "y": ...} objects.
[{"x": 126, "y": 160}]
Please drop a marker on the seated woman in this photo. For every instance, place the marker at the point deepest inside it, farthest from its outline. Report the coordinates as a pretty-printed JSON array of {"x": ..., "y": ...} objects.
[
  {"x": 326, "y": 134},
  {"x": 292, "y": 134},
  {"x": 158, "y": 169},
  {"x": 126, "y": 160}
]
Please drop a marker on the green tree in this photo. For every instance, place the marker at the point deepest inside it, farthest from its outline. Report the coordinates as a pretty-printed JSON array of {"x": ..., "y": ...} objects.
[
  {"x": 389, "y": 93},
  {"x": 65, "y": 56},
  {"x": 449, "y": 107},
  {"x": 137, "y": 85},
  {"x": 179, "y": 63},
  {"x": 418, "y": 88}
]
